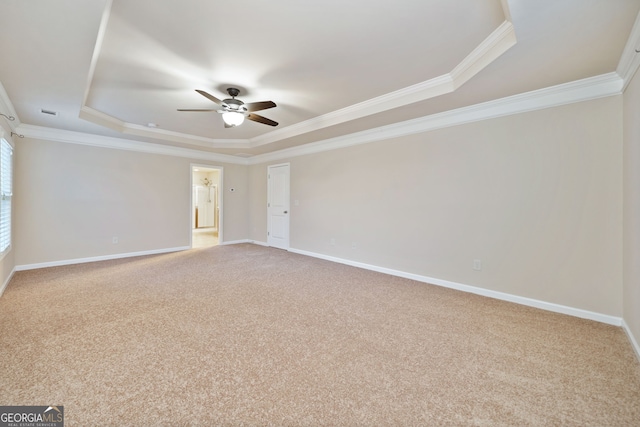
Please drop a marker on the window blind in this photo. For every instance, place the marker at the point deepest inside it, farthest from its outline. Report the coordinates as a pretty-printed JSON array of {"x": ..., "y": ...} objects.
[{"x": 6, "y": 193}]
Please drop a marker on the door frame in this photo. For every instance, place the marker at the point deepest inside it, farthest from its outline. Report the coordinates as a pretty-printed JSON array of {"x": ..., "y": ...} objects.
[
  {"x": 269, "y": 167},
  {"x": 219, "y": 195}
]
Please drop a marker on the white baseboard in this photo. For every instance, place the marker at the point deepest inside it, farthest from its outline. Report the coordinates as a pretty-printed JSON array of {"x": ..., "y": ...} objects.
[
  {"x": 6, "y": 282},
  {"x": 632, "y": 339},
  {"x": 235, "y": 242},
  {"x": 556, "y": 308},
  {"x": 98, "y": 258}
]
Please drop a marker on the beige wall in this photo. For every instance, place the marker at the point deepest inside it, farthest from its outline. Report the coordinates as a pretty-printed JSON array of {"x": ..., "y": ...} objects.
[
  {"x": 258, "y": 203},
  {"x": 537, "y": 197},
  {"x": 7, "y": 263},
  {"x": 73, "y": 199},
  {"x": 631, "y": 293}
]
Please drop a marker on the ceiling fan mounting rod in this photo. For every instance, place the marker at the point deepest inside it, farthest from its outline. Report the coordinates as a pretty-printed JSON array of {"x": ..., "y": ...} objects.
[{"x": 233, "y": 92}]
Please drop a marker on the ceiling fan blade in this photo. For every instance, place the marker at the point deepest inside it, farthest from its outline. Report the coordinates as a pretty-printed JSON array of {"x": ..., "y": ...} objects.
[
  {"x": 209, "y": 96},
  {"x": 260, "y": 119},
  {"x": 257, "y": 106},
  {"x": 190, "y": 109}
]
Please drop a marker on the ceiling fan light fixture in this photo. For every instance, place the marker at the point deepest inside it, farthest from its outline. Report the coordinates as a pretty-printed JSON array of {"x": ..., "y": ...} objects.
[
  {"x": 233, "y": 118},
  {"x": 234, "y": 111}
]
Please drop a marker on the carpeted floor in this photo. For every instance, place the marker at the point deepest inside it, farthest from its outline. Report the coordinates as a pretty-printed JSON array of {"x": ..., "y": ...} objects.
[{"x": 247, "y": 335}]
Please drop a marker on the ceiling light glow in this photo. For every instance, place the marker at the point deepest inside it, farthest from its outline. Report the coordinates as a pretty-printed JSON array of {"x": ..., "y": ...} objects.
[{"x": 233, "y": 118}]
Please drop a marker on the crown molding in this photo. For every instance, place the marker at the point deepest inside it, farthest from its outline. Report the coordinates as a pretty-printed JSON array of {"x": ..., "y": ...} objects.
[
  {"x": 71, "y": 137},
  {"x": 501, "y": 39},
  {"x": 498, "y": 42},
  {"x": 578, "y": 91},
  {"x": 98, "y": 117},
  {"x": 103, "y": 119},
  {"x": 6, "y": 107},
  {"x": 630, "y": 59},
  {"x": 167, "y": 135}
]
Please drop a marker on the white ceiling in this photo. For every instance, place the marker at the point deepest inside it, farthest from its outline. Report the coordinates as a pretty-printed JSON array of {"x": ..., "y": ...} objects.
[{"x": 332, "y": 67}]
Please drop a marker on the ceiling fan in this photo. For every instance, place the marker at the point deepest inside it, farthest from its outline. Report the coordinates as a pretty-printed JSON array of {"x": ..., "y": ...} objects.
[{"x": 234, "y": 111}]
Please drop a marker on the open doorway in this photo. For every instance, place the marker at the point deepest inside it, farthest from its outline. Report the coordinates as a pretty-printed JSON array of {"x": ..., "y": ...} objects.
[{"x": 206, "y": 203}]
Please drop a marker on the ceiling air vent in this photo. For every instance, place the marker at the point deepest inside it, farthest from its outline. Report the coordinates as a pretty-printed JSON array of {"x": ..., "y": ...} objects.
[{"x": 49, "y": 112}]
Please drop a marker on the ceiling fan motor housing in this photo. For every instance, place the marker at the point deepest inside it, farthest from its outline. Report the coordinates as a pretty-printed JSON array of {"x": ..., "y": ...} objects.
[{"x": 234, "y": 105}]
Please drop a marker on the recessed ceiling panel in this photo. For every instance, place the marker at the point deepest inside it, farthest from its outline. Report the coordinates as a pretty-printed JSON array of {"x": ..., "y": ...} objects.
[{"x": 311, "y": 58}]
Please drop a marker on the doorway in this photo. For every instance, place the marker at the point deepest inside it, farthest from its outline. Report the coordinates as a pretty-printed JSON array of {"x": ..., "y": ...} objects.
[{"x": 206, "y": 203}]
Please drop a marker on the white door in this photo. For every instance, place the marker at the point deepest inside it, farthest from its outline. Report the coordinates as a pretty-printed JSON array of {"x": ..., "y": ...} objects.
[{"x": 278, "y": 206}]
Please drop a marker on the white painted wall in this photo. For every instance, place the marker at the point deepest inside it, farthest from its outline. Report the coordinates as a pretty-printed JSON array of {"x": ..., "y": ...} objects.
[
  {"x": 537, "y": 197},
  {"x": 71, "y": 200},
  {"x": 631, "y": 290}
]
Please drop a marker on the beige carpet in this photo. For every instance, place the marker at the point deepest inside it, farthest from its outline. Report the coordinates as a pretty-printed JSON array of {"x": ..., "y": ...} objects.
[{"x": 247, "y": 335}]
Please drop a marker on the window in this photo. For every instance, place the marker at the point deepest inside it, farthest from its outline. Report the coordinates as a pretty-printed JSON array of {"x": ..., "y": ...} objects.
[{"x": 6, "y": 193}]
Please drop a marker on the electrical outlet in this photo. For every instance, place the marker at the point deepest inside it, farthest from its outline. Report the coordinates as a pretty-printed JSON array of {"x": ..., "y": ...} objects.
[
  {"x": 114, "y": 240},
  {"x": 477, "y": 264},
  {"x": 353, "y": 245},
  {"x": 332, "y": 242}
]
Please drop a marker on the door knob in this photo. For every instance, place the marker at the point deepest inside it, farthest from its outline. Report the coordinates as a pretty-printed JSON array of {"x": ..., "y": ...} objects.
[{"x": 286, "y": 211}]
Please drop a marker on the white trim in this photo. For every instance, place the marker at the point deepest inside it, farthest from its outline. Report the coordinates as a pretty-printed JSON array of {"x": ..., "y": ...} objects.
[
  {"x": 6, "y": 282},
  {"x": 556, "y": 308},
  {"x": 103, "y": 119},
  {"x": 630, "y": 59},
  {"x": 578, "y": 91},
  {"x": 6, "y": 107},
  {"x": 632, "y": 339},
  {"x": 71, "y": 137},
  {"x": 234, "y": 242},
  {"x": 98, "y": 258},
  {"x": 259, "y": 243},
  {"x": 498, "y": 42},
  {"x": 7, "y": 251},
  {"x": 568, "y": 93}
]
